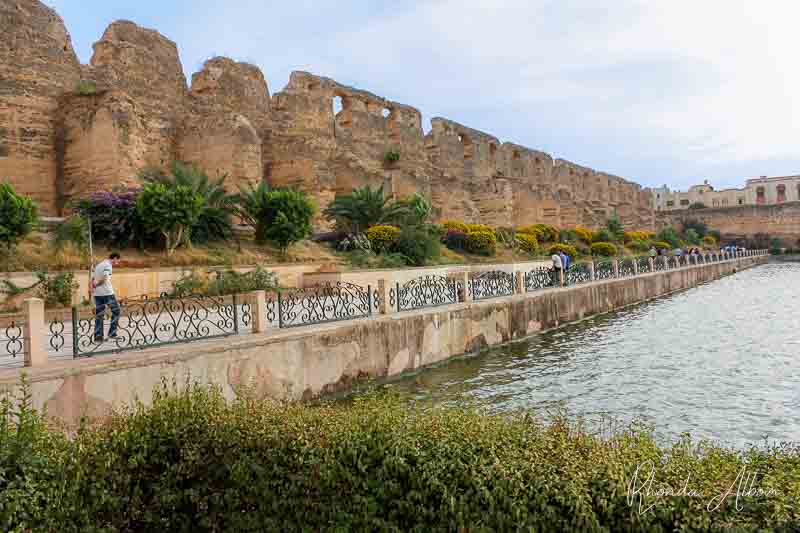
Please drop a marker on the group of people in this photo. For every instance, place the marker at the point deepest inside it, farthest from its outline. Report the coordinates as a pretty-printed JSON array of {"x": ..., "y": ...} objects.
[{"x": 561, "y": 262}]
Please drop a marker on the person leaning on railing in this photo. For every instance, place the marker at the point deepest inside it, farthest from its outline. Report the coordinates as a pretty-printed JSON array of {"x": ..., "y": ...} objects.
[{"x": 104, "y": 296}]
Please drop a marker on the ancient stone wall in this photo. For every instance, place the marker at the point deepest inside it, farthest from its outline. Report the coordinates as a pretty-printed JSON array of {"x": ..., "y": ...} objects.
[
  {"x": 316, "y": 134},
  {"x": 780, "y": 221},
  {"x": 37, "y": 66}
]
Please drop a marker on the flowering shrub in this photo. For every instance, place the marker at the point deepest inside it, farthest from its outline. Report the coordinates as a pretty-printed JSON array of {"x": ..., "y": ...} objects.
[
  {"x": 566, "y": 248},
  {"x": 584, "y": 234},
  {"x": 527, "y": 243},
  {"x": 383, "y": 238},
  {"x": 113, "y": 217},
  {"x": 543, "y": 232},
  {"x": 478, "y": 227},
  {"x": 482, "y": 242},
  {"x": 604, "y": 248},
  {"x": 708, "y": 240},
  {"x": 455, "y": 224}
]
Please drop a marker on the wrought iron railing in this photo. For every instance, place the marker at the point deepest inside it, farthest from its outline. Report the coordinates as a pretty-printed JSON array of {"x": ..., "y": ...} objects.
[
  {"x": 327, "y": 302},
  {"x": 604, "y": 270},
  {"x": 12, "y": 340},
  {"x": 659, "y": 265},
  {"x": 152, "y": 322},
  {"x": 626, "y": 268},
  {"x": 540, "y": 278},
  {"x": 644, "y": 264},
  {"x": 492, "y": 284},
  {"x": 578, "y": 273},
  {"x": 425, "y": 291}
]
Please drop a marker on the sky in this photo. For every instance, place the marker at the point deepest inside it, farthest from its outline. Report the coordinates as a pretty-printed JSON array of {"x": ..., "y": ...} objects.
[{"x": 657, "y": 91}]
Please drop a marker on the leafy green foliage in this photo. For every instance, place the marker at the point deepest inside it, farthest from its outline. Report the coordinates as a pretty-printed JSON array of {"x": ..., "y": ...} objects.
[
  {"x": 364, "y": 207},
  {"x": 56, "y": 290},
  {"x": 661, "y": 245},
  {"x": 669, "y": 235},
  {"x": 418, "y": 245},
  {"x": 605, "y": 249},
  {"x": 85, "y": 88},
  {"x": 697, "y": 205},
  {"x": 74, "y": 230},
  {"x": 692, "y": 236},
  {"x": 544, "y": 232},
  {"x": 419, "y": 209},
  {"x": 506, "y": 237},
  {"x": 194, "y": 462},
  {"x": 171, "y": 211},
  {"x": 284, "y": 217},
  {"x": 638, "y": 246},
  {"x": 114, "y": 218},
  {"x": 455, "y": 225},
  {"x": 700, "y": 227},
  {"x": 614, "y": 225},
  {"x": 481, "y": 242},
  {"x": 603, "y": 235},
  {"x": 392, "y": 155},
  {"x": 222, "y": 282},
  {"x": 355, "y": 243},
  {"x": 214, "y": 222},
  {"x": 18, "y": 216}
]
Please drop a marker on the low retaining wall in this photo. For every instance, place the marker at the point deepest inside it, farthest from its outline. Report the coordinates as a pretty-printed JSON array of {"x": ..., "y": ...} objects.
[{"x": 295, "y": 364}]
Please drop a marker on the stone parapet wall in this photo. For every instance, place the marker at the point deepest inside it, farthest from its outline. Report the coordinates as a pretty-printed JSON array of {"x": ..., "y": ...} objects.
[
  {"x": 135, "y": 110},
  {"x": 295, "y": 364}
]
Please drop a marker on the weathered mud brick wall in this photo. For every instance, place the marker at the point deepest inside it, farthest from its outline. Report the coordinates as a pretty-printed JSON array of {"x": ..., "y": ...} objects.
[
  {"x": 58, "y": 144},
  {"x": 780, "y": 221},
  {"x": 37, "y": 65}
]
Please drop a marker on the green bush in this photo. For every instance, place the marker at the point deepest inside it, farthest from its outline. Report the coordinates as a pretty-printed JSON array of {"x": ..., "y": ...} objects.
[
  {"x": 669, "y": 235},
  {"x": 74, "y": 230},
  {"x": 478, "y": 227},
  {"x": 392, "y": 155},
  {"x": 214, "y": 222},
  {"x": 85, "y": 88},
  {"x": 566, "y": 248},
  {"x": 280, "y": 216},
  {"x": 506, "y": 237},
  {"x": 697, "y": 205},
  {"x": 383, "y": 238},
  {"x": 365, "y": 207},
  {"x": 481, "y": 242},
  {"x": 222, "y": 282},
  {"x": 638, "y": 246},
  {"x": 543, "y": 232},
  {"x": 614, "y": 225},
  {"x": 194, "y": 462},
  {"x": 418, "y": 209},
  {"x": 585, "y": 235},
  {"x": 170, "y": 211},
  {"x": 418, "y": 245},
  {"x": 605, "y": 249},
  {"x": 527, "y": 243},
  {"x": 691, "y": 236},
  {"x": 18, "y": 216},
  {"x": 603, "y": 235},
  {"x": 455, "y": 225},
  {"x": 709, "y": 241}
]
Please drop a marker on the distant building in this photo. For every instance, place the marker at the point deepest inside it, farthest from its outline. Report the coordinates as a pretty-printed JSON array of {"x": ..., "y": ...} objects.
[{"x": 757, "y": 191}]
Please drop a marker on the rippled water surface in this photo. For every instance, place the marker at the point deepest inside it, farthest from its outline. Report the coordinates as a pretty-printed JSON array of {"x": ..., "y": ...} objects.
[{"x": 720, "y": 361}]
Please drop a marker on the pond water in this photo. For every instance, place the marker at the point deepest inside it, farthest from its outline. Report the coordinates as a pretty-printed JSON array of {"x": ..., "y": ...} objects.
[{"x": 720, "y": 361}]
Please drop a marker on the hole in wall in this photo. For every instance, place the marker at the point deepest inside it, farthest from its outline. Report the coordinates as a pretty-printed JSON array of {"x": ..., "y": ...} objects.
[
  {"x": 515, "y": 155},
  {"x": 386, "y": 112},
  {"x": 337, "y": 105}
]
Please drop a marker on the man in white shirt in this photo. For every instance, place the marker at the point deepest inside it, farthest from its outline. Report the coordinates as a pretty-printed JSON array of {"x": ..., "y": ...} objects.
[
  {"x": 557, "y": 265},
  {"x": 104, "y": 296}
]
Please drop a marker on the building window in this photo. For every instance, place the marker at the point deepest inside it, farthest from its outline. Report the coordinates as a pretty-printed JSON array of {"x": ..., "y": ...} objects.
[
  {"x": 658, "y": 195},
  {"x": 670, "y": 203},
  {"x": 760, "y": 198},
  {"x": 741, "y": 201},
  {"x": 715, "y": 203},
  {"x": 781, "y": 193},
  {"x": 725, "y": 201},
  {"x": 684, "y": 202}
]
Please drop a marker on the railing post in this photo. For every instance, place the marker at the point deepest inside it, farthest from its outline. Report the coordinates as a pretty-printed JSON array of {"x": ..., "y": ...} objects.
[
  {"x": 259, "y": 318},
  {"x": 75, "y": 319},
  {"x": 235, "y": 303},
  {"x": 636, "y": 266},
  {"x": 34, "y": 332},
  {"x": 592, "y": 273},
  {"x": 383, "y": 296},
  {"x": 467, "y": 288},
  {"x": 616, "y": 268},
  {"x": 519, "y": 282},
  {"x": 652, "y": 262}
]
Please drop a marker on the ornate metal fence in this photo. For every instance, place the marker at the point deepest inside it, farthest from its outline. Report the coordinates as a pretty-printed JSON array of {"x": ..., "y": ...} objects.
[
  {"x": 659, "y": 264},
  {"x": 578, "y": 273},
  {"x": 539, "y": 278},
  {"x": 151, "y": 322},
  {"x": 604, "y": 270},
  {"x": 492, "y": 284},
  {"x": 12, "y": 340},
  {"x": 644, "y": 264},
  {"x": 425, "y": 291},
  {"x": 626, "y": 268},
  {"x": 328, "y": 302}
]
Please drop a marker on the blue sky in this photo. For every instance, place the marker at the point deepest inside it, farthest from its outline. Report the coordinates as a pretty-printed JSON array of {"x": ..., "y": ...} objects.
[{"x": 657, "y": 91}]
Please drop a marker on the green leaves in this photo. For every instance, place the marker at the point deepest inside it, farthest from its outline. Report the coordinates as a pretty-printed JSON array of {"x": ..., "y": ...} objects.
[
  {"x": 169, "y": 210},
  {"x": 281, "y": 216},
  {"x": 18, "y": 216},
  {"x": 365, "y": 207}
]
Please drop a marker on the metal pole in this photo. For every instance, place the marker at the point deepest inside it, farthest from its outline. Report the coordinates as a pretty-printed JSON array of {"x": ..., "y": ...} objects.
[
  {"x": 235, "y": 315},
  {"x": 91, "y": 258},
  {"x": 74, "y": 331}
]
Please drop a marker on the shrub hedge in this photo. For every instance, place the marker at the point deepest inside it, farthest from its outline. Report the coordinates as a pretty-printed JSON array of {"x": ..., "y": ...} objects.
[
  {"x": 383, "y": 238},
  {"x": 543, "y": 232},
  {"x": 604, "y": 248},
  {"x": 455, "y": 225},
  {"x": 478, "y": 227},
  {"x": 566, "y": 248},
  {"x": 527, "y": 243},
  {"x": 481, "y": 242},
  {"x": 193, "y": 462},
  {"x": 584, "y": 234}
]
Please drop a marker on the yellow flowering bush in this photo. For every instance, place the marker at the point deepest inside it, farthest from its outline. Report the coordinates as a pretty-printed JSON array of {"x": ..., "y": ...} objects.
[
  {"x": 455, "y": 225},
  {"x": 566, "y": 248},
  {"x": 478, "y": 227},
  {"x": 481, "y": 242},
  {"x": 527, "y": 242},
  {"x": 383, "y": 238},
  {"x": 604, "y": 248}
]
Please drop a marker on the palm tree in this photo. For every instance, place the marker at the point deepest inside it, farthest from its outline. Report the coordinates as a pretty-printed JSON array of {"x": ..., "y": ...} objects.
[
  {"x": 214, "y": 222},
  {"x": 251, "y": 205},
  {"x": 364, "y": 207}
]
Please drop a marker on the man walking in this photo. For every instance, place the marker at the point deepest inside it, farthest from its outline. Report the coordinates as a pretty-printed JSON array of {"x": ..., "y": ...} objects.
[{"x": 104, "y": 296}]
